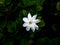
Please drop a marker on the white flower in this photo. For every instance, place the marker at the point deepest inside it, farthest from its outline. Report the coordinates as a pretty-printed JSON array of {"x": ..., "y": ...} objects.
[{"x": 30, "y": 22}]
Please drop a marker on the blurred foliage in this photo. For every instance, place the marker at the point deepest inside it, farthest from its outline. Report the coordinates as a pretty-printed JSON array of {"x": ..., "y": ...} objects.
[
  {"x": 1, "y": 14},
  {"x": 56, "y": 28},
  {"x": 1, "y": 2},
  {"x": 9, "y": 42},
  {"x": 58, "y": 5},
  {"x": 24, "y": 42},
  {"x": 47, "y": 41},
  {"x": 1, "y": 35},
  {"x": 11, "y": 20},
  {"x": 11, "y": 26}
]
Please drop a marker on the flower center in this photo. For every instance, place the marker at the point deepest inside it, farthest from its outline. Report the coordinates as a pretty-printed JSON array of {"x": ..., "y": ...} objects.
[{"x": 30, "y": 22}]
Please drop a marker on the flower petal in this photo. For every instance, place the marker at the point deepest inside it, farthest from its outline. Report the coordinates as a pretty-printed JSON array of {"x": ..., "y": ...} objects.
[
  {"x": 37, "y": 21},
  {"x": 29, "y": 16},
  {"x": 27, "y": 28},
  {"x": 25, "y": 19},
  {"x": 36, "y": 27},
  {"x": 34, "y": 17},
  {"x": 33, "y": 28},
  {"x": 25, "y": 25}
]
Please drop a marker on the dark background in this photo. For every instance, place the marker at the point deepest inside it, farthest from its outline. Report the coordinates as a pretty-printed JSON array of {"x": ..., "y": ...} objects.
[{"x": 48, "y": 35}]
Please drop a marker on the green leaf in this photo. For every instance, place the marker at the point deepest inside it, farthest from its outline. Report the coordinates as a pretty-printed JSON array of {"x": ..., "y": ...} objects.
[
  {"x": 1, "y": 2},
  {"x": 20, "y": 4},
  {"x": 9, "y": 42},
  {"x": 7, "y": 2},
  {"x": 40, "y": 2},
  {"x": 42, "y": 41},
  {"x": 56, "y": 27},
  {"x": 24, "y": 42},
  {"x": 0, "y": 29},
  {"x": 41, "y": 24},
  {"x": 32, "y": 2},
  {"x": 46, "y": 41},
  {"x": 11, "y": 27},
  {"x": 19, "y": 22},
  {"x": 39, "y": 17},
  {"x": 24, "y": 12},
  {"x": 56, "y": 41},
  {"x": 58, "y": 6},
  {"x": 28, "y": 2},
  {"x": 1, "y": 14},
  {"x": 39, "y": 8},
  {"x": 3, "y": 24},
  {"x": 50, "y": 42},
  {"x": 1, "y": 35}
]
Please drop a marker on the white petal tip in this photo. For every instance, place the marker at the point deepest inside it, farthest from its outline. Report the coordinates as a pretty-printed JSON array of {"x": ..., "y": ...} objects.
[
  {"x": 34, "y": 17},
  {"x": 29, "y": 14},
  {"x": 27, "y": 28},
  {"x": 25, "y": 19}
]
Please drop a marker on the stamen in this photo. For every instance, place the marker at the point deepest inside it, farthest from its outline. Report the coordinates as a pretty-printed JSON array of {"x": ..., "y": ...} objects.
[{"x": 30, "y": 22}]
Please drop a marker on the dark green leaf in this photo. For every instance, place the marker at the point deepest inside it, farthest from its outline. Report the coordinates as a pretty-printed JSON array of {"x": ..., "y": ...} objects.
[
  {"x": 40, "y": 2},
  {"x": 3, "y": 24},
  {"x": 9, "y": 42},
  {"x": 42, "y": 41},
  {"x": 56, "y": 27},
  {"x": 1, "y": 35},
  {"x": 24, "y": 12},
  {"x": 39, "y": 8},
  {"x": 28, "y": 2},
  {"x": 42, "y": 23},
  {"x": 24, "y": 42},
  {"x": 1, "y": 14},
  {"x": 11, "y": 27},
  {"x": 7, "y": 2},
  {"x": 56, "y": 41}
]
